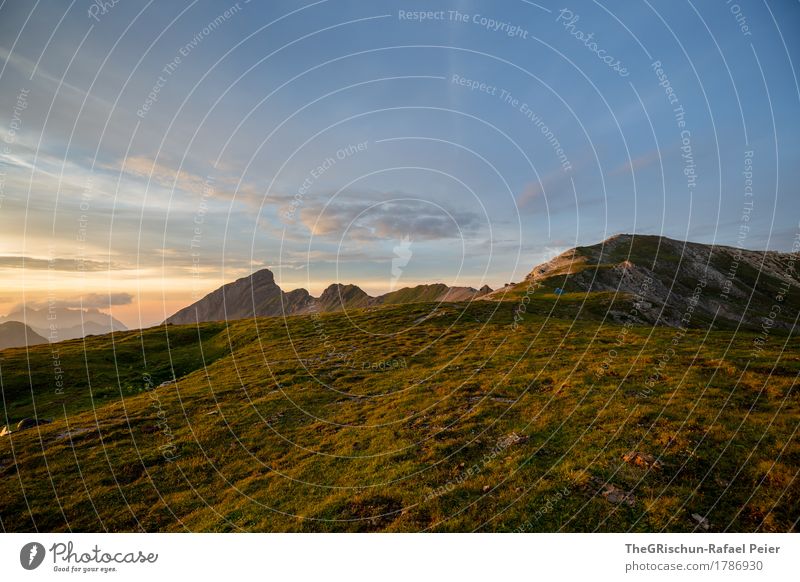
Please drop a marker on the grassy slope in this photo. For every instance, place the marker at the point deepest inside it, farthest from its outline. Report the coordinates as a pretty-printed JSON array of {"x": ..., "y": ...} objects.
[
  {"x": 262, "y": 444},
  {"x": 417, "y": 294},
  {"x": 98, "y": 369}
]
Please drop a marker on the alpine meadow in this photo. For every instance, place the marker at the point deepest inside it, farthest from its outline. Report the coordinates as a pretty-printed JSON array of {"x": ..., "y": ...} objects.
[{"x": 517, "y": 280}]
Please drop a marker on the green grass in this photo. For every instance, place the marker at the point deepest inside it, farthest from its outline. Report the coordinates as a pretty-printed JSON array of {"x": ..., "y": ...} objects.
[
  {"x": 420, "y": 293},
  {"x": 254, "y": 440},
  {"x": 80, "y": 374}
]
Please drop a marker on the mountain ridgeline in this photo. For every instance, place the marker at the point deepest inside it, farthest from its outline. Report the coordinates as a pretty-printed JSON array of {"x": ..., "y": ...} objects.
[
  {"x": 640, "y": 279},
  {"x": 656, "y": 280},
  {"x": 64, "y": 323},
  {"x": 259, "y": 296},
  {"x": 309, "y": 424}
]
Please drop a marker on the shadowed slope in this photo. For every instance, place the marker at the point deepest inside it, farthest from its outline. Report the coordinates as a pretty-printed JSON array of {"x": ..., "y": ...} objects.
[{"x": 14, "y": 334}]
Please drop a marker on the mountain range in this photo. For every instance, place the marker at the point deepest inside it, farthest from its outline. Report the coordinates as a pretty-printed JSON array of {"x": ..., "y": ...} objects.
[
  {"x": 642, "y": 279},
  {"x": 63, "y": 323},
  {"x": 259, "y": 296},
  {"x": 405, "y": 415}
]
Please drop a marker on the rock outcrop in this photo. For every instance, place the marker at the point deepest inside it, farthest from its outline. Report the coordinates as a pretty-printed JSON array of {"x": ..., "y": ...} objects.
[
  {"x": 256, "y": 295},
  {"x": 259, "y": 296},
  {"x": 677, "y": 283}
]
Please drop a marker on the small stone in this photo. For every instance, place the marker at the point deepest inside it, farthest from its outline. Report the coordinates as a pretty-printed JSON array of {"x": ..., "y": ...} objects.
[
  {"x": 701, "y": 521},
  {"x": 70, "y": 434},
  {"x": 644, "y": 460},
  {"x": 614, "y": 494}
]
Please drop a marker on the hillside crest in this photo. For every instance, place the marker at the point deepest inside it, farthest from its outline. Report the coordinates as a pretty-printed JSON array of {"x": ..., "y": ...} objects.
[{"x": 660, "y": 276}]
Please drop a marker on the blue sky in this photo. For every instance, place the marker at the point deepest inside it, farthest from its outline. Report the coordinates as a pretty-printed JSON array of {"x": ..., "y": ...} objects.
[{"x": 315, "y": 138}]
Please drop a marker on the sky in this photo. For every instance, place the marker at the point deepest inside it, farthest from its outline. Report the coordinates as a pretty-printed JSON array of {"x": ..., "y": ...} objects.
[{"x": 150, "y": 152}]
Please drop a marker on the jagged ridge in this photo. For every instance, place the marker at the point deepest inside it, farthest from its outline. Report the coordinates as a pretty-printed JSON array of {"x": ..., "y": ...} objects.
[{"x": 259, "y": 296}]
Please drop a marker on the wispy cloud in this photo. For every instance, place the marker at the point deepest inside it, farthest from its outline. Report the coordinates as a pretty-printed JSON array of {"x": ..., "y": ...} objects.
[
  {"x": 637, "y": 163},
  {"x": 55, "y": 264},
  {"x": 164, "y": 175},
  {"x": 88, "y": 301},
  {"x": 552, "y": 185},
  {"x": 29, "y": 68}
]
